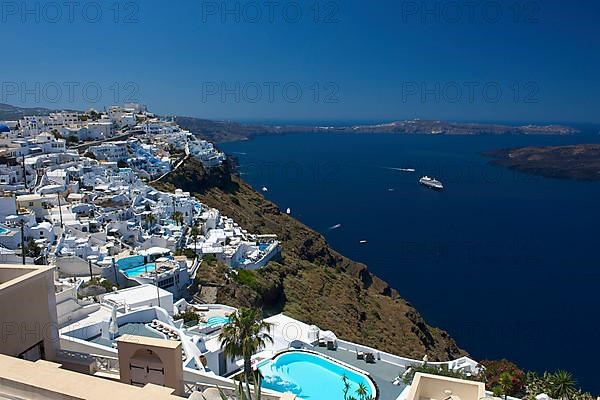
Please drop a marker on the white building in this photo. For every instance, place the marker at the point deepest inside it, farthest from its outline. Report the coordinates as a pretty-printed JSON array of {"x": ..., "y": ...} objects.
[{"x": 111, "y": 151}]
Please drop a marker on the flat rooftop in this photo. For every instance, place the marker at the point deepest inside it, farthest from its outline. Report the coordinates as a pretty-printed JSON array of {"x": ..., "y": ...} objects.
[
  {"x": 137, "y": 294},
  {"x": 435, "y": 387},
  {"x": 42, "y": 379},
  {"x": 13, "y": 274},
  {"x": 129, "y": 329}
]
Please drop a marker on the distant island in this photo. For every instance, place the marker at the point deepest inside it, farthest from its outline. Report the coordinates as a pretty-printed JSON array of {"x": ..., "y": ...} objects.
[
  {"x": 13, "y": 113},
  {"x": 228, "y": 131},
  {"x": 581, "y": 161},
  {"x": 225, "y": 131}
]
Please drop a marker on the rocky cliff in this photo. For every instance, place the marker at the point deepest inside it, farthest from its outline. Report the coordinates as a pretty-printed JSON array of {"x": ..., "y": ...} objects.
[{"x": 311, "y": 281}]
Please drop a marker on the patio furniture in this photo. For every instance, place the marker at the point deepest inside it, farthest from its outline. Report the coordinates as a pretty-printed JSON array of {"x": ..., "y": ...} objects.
[
  {"x": 360, "y": 355},
  {"x": 331, "y": 345},
  {"x": 322, "y": 343},
  {"x": 370, "y": 358}
]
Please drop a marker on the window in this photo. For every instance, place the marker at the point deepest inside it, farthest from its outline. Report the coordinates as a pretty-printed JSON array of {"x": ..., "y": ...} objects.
[{"x": 166, "y": 283}]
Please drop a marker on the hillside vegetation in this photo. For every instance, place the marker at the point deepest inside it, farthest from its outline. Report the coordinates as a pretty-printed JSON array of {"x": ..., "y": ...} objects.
[{"x": 311, "y": 282}]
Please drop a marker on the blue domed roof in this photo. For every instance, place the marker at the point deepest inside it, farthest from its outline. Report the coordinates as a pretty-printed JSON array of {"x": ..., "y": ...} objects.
[{"x": 4, "y": 128}]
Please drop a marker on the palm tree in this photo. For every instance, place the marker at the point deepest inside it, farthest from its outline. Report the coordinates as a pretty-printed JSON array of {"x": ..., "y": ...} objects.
[
  {"x": 244, "y": 336},
  {"x": 194, "y": 233},
  {"x": 244, "y": 393},
  {"x": 346, "y": 386},
  {"x": 562, "y": 385},
  {"x": 177, "y": 216},
  {"x": 150, "y": 219},
  {"x": 361, "y": 391}
]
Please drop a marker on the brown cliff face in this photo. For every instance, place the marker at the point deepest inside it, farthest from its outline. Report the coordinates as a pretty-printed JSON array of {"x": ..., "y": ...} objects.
[
  {"x": 580, "y": 162},
  {"x": 311, "y": 282}
]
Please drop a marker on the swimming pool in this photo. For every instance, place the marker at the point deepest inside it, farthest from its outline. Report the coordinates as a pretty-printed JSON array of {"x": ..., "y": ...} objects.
[
  {"x": 263, "y": 246},
  {"x": 312, "y": 377},
  {"x": 134, "y": 266},
  {"x": 214, "y": 321},
  {"x": 3, "y": 230}
]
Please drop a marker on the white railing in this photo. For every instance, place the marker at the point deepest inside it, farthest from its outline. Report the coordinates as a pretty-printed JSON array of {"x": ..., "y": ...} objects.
[
  {"x": 191, "y": 387},
  {"x": 106, "y": 364},
  {"x": 461, "y": 363},
  {"x": 194, "y": 269}
]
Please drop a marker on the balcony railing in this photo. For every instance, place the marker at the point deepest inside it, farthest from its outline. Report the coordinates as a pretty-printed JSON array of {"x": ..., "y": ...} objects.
[{"x": 106, "y": 364}]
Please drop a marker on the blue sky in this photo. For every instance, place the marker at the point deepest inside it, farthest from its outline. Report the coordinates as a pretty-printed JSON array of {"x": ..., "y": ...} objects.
[{"x": 309, "y": 60}]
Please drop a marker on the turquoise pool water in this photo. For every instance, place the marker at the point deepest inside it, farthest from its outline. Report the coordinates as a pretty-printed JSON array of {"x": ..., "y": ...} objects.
[
  {"x": 213, "y": 321},
  {"x": 134, "y": 266},
  {"x": 311, "y": 377},
  {"x": 3, "y": 230},
  {"x": 263, "y": 246}
]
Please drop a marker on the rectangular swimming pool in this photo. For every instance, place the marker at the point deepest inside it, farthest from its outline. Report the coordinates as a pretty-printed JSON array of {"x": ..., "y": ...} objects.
[{"x": 134, "y": 266}]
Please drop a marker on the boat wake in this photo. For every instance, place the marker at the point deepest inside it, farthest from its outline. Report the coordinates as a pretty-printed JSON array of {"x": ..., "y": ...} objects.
[{"x": 400, "y": 169}]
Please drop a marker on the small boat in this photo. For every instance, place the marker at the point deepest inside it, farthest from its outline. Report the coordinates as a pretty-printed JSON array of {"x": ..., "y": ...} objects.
[
  {"x": 363, "y": 242},
  {"x": 288, "y": 211},
  {"x": 265, "y": 189},
  {"x": 336, "y": 226},
  {"x": 391, "y": 190},
  {"x": 401, "y": 169},
  {"x": 431, "y": 183}
]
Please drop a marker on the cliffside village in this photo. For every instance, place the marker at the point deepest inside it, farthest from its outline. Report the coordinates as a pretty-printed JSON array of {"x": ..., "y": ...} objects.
[
  {"x": 78, "y": 208},
  {"x": 75, "y": 192}
]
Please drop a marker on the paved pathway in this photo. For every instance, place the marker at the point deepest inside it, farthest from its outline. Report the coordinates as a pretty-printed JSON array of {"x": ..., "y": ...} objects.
[{"x": 383, "y": 373}]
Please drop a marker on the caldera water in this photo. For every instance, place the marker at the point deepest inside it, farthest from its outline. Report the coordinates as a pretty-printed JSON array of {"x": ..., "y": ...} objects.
[{"x": 506, "y": 262}]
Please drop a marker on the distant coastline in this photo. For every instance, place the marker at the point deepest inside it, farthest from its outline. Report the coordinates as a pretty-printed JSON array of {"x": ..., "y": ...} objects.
[
  {"x": 227, "y": 131},
  {"x": 579, "y": 162}
]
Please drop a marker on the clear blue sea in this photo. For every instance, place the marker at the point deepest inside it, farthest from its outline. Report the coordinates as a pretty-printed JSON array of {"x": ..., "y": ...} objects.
[{"x": 507, "y": 263}]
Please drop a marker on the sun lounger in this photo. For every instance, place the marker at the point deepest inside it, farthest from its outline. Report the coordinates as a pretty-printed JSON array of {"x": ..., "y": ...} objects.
[
  {"x": 360, "y": 355},
  {"x": 322, "y": 343},
  {"x": 370, "y": 358},
  {"x": 331, "y": 345}
]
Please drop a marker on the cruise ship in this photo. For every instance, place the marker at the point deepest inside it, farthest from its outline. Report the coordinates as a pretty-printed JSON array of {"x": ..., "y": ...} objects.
[{"x": 431, "y": 183}]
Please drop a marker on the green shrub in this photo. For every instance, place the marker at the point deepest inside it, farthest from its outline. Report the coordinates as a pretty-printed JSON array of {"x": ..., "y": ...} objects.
[
  {"x": 189, "y": 253},
  {"x": 187, "y": 316},
  {"x": 209, "y": 259},
  {"x": 497, "y": 371},
  {"x": 99, "y": 282},
  {"x": 433, "y": 370},
  {"x": 247, "y": 278}
]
